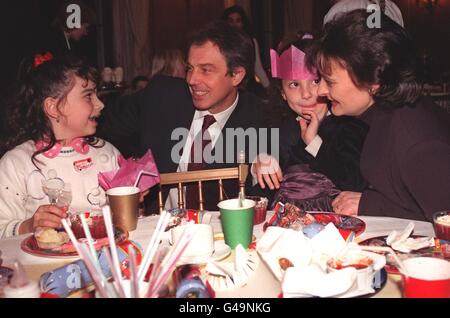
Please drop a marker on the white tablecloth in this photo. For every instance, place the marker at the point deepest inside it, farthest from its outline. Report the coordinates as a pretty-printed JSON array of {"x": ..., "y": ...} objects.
[{"x": 375, "y": 226}]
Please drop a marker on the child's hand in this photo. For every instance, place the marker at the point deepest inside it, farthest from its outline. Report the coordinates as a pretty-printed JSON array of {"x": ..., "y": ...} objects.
[
  {"x": 45, "y": 216},
  {"x": 268, "y": 171},
  {"x": 310, "y": 129}
]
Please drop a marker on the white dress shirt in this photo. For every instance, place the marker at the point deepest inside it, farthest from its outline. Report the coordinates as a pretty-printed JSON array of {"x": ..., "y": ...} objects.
[{"x": 196, "y": 127}]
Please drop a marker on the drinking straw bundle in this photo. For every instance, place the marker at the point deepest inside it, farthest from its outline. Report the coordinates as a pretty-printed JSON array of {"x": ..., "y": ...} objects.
[{"x": 162, "y": 266}]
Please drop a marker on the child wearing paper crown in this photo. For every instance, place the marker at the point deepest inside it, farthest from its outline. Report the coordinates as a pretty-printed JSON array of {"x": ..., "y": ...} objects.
[
  {"x": 319, "y": 153},
  {"x": 51, "y": 124}
]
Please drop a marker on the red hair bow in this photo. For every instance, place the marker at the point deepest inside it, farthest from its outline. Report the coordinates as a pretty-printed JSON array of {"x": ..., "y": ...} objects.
[{"x": 40, "y": 59}]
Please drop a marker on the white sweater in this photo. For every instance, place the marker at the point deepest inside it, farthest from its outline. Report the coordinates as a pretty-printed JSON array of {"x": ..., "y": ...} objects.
[{"x": 21, "y": 191}]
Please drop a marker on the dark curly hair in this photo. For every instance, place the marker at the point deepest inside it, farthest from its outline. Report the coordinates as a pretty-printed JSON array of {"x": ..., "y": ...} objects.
[
  {"x": 26, "y": 118},
  {"x": 384, "y": 55}
]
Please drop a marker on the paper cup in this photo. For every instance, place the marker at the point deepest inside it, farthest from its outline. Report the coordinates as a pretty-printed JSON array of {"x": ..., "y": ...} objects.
[
  {"x": 428, "y": 278},
  {"x": 124, "y": 203},
  {"x": 237, "y": 223},
  {"x": 200, "y": 249}
]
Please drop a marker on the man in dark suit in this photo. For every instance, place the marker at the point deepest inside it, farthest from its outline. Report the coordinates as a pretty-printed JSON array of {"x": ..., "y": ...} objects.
[{"x": 169, "y": 114}]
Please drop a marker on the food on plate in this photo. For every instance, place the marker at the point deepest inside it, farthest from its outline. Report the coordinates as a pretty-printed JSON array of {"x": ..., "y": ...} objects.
[
  {"x": 48, "y": 239},
  {"x": 285, "y": 263},
  {"x": 356, "y": 261}
]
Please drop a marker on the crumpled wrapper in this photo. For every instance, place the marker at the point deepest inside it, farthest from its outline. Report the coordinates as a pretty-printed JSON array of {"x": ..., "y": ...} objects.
[
  {"x": 144, "y": 170},
  {"x": 402, "y": 242}
]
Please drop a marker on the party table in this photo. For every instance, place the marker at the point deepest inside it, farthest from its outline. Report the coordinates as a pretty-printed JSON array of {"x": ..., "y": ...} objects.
[{"x": 262, "y": 284}]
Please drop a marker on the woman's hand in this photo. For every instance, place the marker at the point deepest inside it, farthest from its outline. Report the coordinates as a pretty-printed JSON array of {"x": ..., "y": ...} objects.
[
  {"x": 309, "y": 129},
  {"x": 347, "y": 203},
  {"x": 45, "y": 216},
  {"x": 268, "y": 171}
]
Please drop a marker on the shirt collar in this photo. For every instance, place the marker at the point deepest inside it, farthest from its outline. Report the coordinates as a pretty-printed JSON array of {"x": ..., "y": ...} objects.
[
  {"x": 78, "y": 145},
  {"x": 222, "y": 117}
]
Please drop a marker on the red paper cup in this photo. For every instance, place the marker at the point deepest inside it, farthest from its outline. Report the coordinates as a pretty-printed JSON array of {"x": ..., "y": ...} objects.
[
  {"x": 427, "y": 278},
  {"x": 260, "y": 209},
  {"x": 95, "y": 221}
]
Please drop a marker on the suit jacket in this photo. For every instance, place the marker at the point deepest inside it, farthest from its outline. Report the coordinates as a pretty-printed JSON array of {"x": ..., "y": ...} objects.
[
  {"x": 339, "y": 155},
  {"x": 154, "y": 114}
]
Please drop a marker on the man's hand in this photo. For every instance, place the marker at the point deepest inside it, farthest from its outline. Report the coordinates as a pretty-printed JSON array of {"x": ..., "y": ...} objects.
[{"x": 347, "y": 203}]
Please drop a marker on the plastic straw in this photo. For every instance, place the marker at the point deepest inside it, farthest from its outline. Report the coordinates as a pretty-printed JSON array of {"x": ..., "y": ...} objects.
[
  {"x": 134, "y": 283},
  {"x": 112, "y": 244},
  {"x": 153, "y": 245},
  {"x": 141, "y": 173},
  {"x": 92, "y": 270},
  {"x": 117, "y": 286},
  {"x": 89, "y": 239},
  {"x": 86, "y": 260},
  {"x": 171, "y": 260}
]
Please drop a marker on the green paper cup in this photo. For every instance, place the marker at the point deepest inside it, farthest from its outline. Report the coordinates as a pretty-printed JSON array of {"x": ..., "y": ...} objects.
[{"x": 237, "y": 223}]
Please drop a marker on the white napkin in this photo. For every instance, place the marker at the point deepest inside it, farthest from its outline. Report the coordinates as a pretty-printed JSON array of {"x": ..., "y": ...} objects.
[
  {"x": 223, "y": 276},
  {"x": 309, "y": 281},
  {"x": 402, "y": 242},
  {"x": 279, "y": 243},
  {"x": 327, "y": 244}
]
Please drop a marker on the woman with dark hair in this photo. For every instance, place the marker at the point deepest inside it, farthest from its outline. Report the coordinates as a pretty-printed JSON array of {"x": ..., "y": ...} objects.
[
  {"x": 235, "y": 16},
  {"x": 372, "y": 73}
]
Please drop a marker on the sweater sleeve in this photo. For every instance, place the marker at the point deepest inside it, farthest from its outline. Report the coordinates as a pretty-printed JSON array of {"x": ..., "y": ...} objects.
[
  {"x": 425, "y": 171},
  {"x": 12, "y": 196},
  {"x": 339, "y": 157}
]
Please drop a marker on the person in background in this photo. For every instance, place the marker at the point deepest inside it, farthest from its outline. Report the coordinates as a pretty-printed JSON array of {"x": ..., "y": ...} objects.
[
  {"x": 138, "y": 83},
  {"x": 51, "y": 122},
  {"x": 168, "y": 63},
  {"x": 319, "y": 152},
  {"x": 388, "y": 7},
  {"x": 61, "y": 37},
  {"x": 236, "y": 17},
  {"x": 374, "y": 74}
]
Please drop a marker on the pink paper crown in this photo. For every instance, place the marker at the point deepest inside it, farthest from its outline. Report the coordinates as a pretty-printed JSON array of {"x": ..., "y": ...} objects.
[{"x": 291, "y": 65}]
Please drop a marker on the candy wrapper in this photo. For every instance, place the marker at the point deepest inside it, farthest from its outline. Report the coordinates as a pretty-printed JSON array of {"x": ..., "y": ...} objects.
[
  {"x": 289, "y": 216},
  {"x": 143, "y": 170},
  {"x": 184, "y": 216}
]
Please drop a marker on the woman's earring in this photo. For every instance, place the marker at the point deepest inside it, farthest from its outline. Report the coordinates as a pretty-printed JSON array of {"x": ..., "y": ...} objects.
[{"x": 371, "y": 91}]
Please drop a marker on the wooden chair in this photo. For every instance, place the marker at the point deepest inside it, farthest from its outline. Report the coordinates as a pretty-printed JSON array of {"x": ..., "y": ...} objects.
[{"x": 181, "y": 178}]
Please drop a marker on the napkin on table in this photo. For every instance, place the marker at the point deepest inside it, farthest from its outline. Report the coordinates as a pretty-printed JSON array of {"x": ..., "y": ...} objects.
[
  {"x": 223, "y": 275},
  {"x": 402, "y": 242},
  {"x": 131, "y": 170}
]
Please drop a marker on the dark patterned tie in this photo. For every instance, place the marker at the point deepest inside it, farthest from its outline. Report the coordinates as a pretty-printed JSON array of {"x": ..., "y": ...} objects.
[{"x": 197, "y": 162}]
